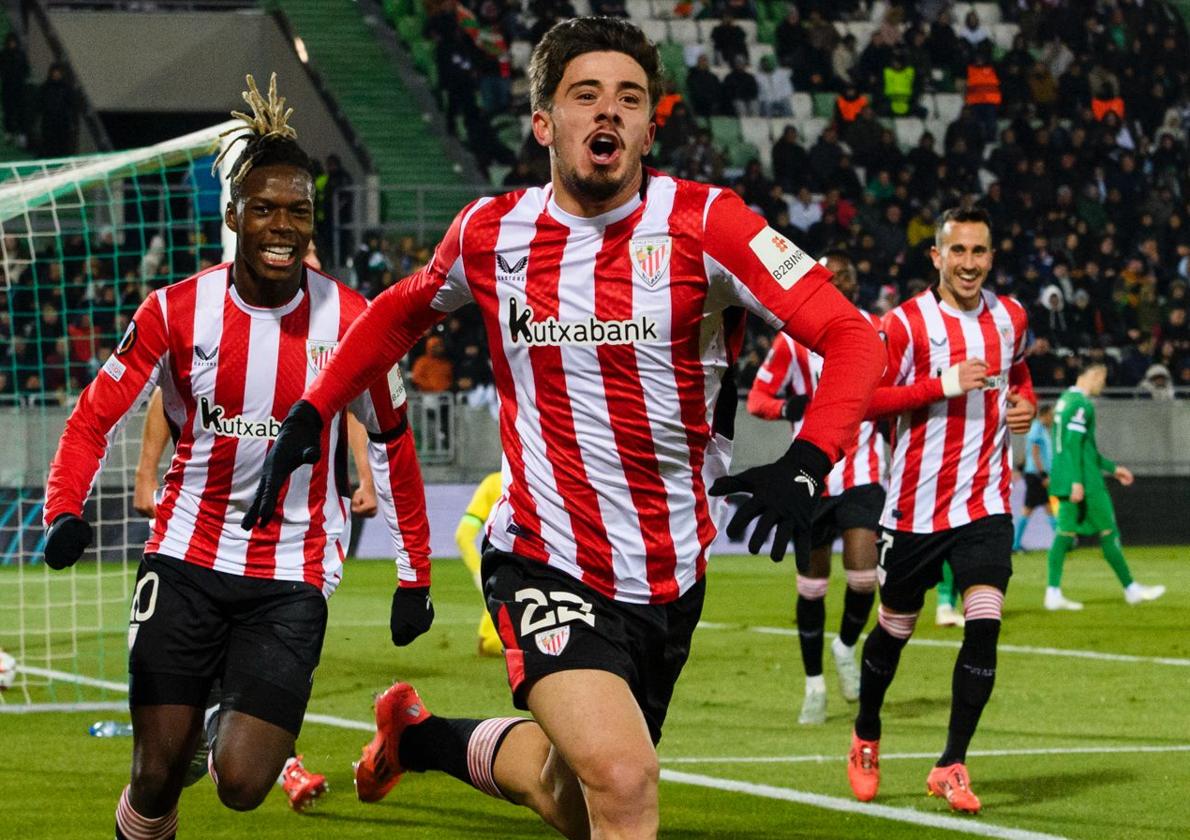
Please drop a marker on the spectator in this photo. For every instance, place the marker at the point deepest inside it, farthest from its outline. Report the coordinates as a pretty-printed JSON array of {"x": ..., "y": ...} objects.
[
  {"x": 901, "y": 88},
  {"x": 1048, "y": 319},
  {"x": 699, "y": 159},
  {"x": 791, "y": 163},
  {"x": 669, "y": 137},
  {"x": 824, "y": 156},
  {"x": 843, "y": 60},
  {"x": 730, "y": 42},
  {"x": 1107, "y": 101},
  {"x": 983, "y": 92},
  {"x": 334, "y": 205},
  {"x": 14, "y": 74},
  {"x": 1157, "y": 384},
  {"x": 975, "y": 34},
  {"x": 704, "y": 88},
  {"x": 792, "y": 41},
  {"x": 804, "y": 211},
  {"x": 848, "y": 106},
  {"x": 432, "y": 371},
  {"x": 776, "y": 89},
  {"x": 59, "y": 114},
  {"x": 740, "y": 90}
]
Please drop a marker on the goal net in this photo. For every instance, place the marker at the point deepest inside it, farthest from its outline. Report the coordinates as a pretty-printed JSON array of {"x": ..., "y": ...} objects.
[{"x": 83, "y": 241}]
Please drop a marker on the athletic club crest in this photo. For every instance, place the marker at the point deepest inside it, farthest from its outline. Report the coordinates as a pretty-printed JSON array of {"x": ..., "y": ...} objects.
[
  {"x": 319, "y": 353},
  {"x": 650, "y": 257},
  {"x": 552, "y": 642}
]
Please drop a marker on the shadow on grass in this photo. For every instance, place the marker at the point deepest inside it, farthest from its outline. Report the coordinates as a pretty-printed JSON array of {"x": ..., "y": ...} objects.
[{"x": 1022, "y": 790}]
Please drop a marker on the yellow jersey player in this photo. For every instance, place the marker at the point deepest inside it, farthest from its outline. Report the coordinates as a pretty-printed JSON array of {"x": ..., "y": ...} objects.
[{"x": 470, "y": 526}]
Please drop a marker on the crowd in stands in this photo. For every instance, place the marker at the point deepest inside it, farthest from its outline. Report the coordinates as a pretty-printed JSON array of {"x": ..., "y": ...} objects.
[{"x": 1074, "y": 138}]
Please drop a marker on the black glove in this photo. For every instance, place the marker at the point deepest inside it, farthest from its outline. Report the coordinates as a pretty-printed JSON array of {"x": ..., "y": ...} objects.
[
  {"x": 297, "y": 443},
  {"x": 66, "y": 540},
  {"x": 783, "y": 495},
  {"x": 795, "y": 407},
  {"x": 412, "y": 614}
]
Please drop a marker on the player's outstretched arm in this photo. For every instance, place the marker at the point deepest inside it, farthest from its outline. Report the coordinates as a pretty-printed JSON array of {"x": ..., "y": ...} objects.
[
  {"x": 125, "y": 379},
  {"x": 765, "y": 398}
]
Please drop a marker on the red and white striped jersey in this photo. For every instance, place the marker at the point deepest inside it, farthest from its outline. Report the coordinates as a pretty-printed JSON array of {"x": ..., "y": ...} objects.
[
  {"x": 610, "y": 337},
  {"x": 790, "y": 368},
  {"x": 229, "y": 373},
  {"x": 950, "y": 458}
]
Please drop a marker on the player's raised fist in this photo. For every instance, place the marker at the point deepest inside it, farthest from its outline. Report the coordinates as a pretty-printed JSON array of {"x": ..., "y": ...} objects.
[
  {"x": 66, "y": 540},
  {"x": 783, "y": 496},
  {"x": 297, "y": 443}
]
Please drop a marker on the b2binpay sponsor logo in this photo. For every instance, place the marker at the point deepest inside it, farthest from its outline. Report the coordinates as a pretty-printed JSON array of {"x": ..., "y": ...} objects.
[
  {"x": 212, "y": 418},
  {"x": 524, "y": 329}
]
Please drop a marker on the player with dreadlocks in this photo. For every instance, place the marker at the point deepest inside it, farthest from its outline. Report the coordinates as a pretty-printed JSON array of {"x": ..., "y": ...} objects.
[{"x": 232, "y": 349}]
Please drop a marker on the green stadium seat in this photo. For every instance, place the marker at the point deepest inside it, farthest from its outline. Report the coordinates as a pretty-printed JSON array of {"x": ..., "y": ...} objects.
[
  {"x": 409, "y": 30},
  {"x": 726, "y": 130},
  {"x": 824, "y": 104},
  {"x": 741, "y": 153},
  {"x": 673, "y": 62}
]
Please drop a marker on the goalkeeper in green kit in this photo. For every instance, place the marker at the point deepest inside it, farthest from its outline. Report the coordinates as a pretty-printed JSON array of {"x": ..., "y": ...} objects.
[{"x": 1077, "y": 481}]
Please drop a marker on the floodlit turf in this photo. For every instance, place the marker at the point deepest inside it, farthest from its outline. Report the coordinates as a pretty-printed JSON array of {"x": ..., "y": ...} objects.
[{"x": 732, "y": 720}]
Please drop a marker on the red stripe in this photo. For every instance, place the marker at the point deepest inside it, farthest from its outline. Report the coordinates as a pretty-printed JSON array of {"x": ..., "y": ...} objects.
[
  {"x": 920, "y": 348},
  {"x": 179, "y": 313},
  {"x": 514, "y": 657},
  {"x": 593, "y": 550},
  {"x": 230, "y": 381},
  {"x": 629, "y": 416},
  {"x": 993, "y": 353},
  {"x": 956, "y": 425},
  {"x": 288, "y": 384},
  {"x": 479, "y": 260},
  {"x": 688, "y": 290}
]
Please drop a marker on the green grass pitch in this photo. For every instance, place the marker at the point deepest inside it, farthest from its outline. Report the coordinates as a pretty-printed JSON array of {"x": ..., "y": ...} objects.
[{"x": 1092, "y": 725}]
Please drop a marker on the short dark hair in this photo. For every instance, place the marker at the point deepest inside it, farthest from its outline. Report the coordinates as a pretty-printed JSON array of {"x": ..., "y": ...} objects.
[
  {"x": 842, "y": 256},
  {"x": 569, "y": 39},
  {"x": 958, "y": 214}
]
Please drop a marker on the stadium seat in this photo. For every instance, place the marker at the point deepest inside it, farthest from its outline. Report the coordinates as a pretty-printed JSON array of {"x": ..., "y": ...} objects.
[
  {"x": 1003, "y": 33},
  {"x": 654, "y": 30},
  {"x": 756, "y": 131},
  {"x": 409, "y": 30},
  {"x": 683, "y": 31},
  {"x": 803, "y": 105},
  {"x": 909, "y": 130},
  {"x": 824, "y": 104},
  {"x": 740, "y": 153},
  {"x": 673, "y": 62},
  {"x": 726, "y": 130},
  {"x": 639, "y": 10},
  {"x": 808, "y": 130},
  {"x": 944, "y": 106},
  {"x": 989, "y": 13},
  {"x": 519, "y": 53},
  {"x": 861, "y": 29}
]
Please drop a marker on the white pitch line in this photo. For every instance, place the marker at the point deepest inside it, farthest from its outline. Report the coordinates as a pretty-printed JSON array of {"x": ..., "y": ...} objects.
[
  {"x": 946, "y": 643},
  {"x": 850, "y": 806},
  {"x": 33, "y": 708},
  {"x": 66, "y": 676},
  {"x": 840, "y": 756}
]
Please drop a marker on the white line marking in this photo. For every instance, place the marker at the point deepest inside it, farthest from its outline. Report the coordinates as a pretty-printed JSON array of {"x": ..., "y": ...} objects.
[
  {"x": 66, "y": 676},
  {"x": 342, "y": 723},
  {"x": 946, "y": 643},
  {"x": 32, "y": 708},
  {"x": 850, "y": 806},
  {"x": 840, "y": 756}
]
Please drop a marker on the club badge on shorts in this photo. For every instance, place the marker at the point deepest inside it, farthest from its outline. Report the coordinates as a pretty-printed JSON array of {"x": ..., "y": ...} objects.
[
  {"x": 552, "y": 642},
  {"x": 319, "y": 353},
  {"x": 650, "y": 257}
]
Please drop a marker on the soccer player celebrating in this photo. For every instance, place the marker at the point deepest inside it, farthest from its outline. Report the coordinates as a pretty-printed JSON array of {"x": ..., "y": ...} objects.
[
  {"x": 486, "y": 496},
  {"x": 612, "y": 299},
  {"x": 1084, "y": 506},
  {"x": 850, "y": 505},
  {"x": 1037, "y": 472},
  {"x": 232, "y": 348},
  {"x": 958, "y": 384}
]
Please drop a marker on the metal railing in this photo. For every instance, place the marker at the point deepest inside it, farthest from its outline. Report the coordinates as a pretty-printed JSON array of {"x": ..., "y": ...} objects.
[{"x": 433, "y": 418}]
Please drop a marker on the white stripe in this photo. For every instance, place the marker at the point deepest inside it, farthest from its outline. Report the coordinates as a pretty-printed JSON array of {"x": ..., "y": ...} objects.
[
  {"x": 325, "y": 317},
  {"x": 993, "y": 498},
  {"x": 38, "y": 708},
  {"x": 899, "y": 441},
  {"x": 1123, "y": 749},
  {"x": 850, "y": 806}
]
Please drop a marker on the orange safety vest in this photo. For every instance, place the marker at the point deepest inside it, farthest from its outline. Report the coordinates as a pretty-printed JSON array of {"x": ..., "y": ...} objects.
[
  {"x": 1102, "y": 107},
  {"x": 983, "y": 85},
  {"x": 849, "y": 108},
  {"x": 665, "y": 107}
]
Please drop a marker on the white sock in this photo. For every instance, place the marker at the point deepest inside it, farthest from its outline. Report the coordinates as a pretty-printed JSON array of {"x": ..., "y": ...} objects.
[
  {"x": 841, "y": 649},
  {"x": 816, "y": 685},
  {"x": 1053, "y": 592},
  {"x": 1132, "y": 587},
  {"x": 285, "y": 768}
]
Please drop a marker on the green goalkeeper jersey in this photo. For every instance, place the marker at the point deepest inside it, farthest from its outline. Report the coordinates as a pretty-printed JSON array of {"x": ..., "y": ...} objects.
[{"x": 1076, "y": 458}]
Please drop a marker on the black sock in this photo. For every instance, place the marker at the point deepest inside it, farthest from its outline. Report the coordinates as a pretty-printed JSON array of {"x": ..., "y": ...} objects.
[
  {"x": 882, "y": 653},
  {"x": 857, "y": 606},
  {"x": 811, "y": 621},
  {"x": 438, "y": 743},
  {"x": 971, "y": 686}
]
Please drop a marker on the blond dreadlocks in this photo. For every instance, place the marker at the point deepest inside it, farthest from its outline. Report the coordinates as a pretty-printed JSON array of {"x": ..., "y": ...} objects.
[{"x": 268, "y": 137}]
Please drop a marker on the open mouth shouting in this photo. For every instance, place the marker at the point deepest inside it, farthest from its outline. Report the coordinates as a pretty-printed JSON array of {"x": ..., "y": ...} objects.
[{"x": 604, "y": 148}]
